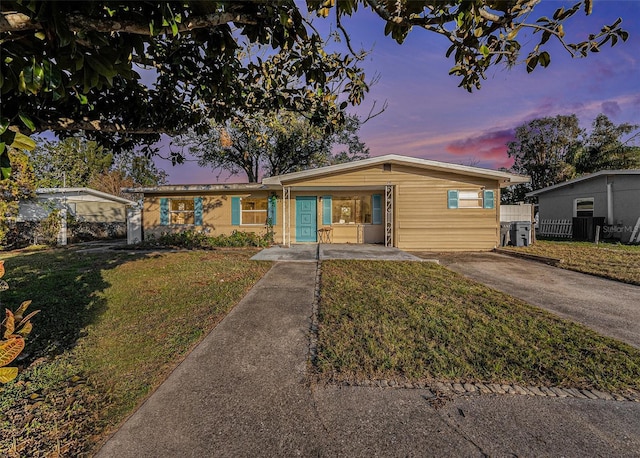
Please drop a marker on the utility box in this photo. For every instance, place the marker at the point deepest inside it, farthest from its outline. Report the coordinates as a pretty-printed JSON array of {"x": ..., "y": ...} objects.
[
  {"x": 519, "y": 233},
  {"x": 505, "y": 228}
]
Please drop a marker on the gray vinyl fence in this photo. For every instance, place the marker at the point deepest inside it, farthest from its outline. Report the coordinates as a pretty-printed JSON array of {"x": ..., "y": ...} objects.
[{"x": 560, "y": 228}]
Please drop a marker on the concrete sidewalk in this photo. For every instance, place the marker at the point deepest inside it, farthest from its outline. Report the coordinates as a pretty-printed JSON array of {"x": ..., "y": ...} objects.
[{"x": 244, "y": 392}]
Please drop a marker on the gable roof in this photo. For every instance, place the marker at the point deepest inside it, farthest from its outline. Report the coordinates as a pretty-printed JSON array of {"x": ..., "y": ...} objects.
[
  {"x": 68, "y": 192},
  {"x": 591, "y": 176},
  {"x": 505, "y": 178}
]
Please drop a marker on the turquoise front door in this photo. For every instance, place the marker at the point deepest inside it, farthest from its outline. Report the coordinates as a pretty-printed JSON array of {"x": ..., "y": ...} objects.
[{"x": 306, "y": 219}]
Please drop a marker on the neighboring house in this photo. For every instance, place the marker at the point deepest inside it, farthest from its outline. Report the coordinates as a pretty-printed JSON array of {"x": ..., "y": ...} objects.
[
  {"x": 96, "y": 214},
  {"x": 610, "y": 194},
  {"x": 84, "y": 204},
  {"x": 399, "y": 201}
]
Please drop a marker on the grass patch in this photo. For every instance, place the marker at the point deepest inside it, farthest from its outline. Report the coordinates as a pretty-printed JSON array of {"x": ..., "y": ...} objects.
[
  {"x": 614, "y": 261},
  {"x": 112, "y": 326},
  {"x": 423, "y": 322}
]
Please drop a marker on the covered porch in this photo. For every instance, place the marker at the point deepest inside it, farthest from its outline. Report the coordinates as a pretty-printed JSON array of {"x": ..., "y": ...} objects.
[{"x": 343, "y": 214}]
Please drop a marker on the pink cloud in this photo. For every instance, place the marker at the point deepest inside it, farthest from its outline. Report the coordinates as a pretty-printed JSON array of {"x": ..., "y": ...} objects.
[{"x": 491, "y": 145}]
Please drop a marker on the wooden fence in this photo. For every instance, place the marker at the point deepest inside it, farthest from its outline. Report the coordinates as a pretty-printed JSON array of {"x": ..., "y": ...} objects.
[{"x": 561, "y": 228}]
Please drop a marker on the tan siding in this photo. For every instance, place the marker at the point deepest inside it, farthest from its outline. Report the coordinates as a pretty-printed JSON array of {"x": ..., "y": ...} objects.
[
  {"x": 422, "y": 219},
  {"x": 216, "y": 216}
]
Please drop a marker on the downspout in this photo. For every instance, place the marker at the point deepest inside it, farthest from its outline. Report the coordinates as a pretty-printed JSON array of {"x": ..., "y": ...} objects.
[{"x": 610, "y": 204}]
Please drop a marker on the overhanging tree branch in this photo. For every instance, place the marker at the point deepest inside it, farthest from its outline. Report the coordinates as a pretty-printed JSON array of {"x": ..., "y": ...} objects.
[{"x": 18, "y": 22}]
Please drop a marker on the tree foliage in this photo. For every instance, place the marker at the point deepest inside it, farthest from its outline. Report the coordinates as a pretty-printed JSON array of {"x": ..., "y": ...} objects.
[
  {"x": 20, "y": 186},
  {"x": 79, "y": 162},
  {"x": 127, "y": 71},
  {"x": 542, "y": 148},
  {"x": 71, "y": 162},
  {"x": 273, "y": 144},
  {"x": 555, "y": 149},
  {"x": 606, "y": 147}
]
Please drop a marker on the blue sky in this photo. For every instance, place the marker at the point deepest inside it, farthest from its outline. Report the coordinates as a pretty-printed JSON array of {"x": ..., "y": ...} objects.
[{"x": 429, "y": 116}]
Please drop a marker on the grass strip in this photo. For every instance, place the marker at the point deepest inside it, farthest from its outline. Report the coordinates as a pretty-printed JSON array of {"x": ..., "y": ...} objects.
[
  {"x": 423, "y": 322},
  {"x": 613, "y": 261},
  {"x": 112, "y": 326}
]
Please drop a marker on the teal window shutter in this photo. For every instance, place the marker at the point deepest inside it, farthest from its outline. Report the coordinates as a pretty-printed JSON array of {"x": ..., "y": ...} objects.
[
  {"x": 376, "y": 209},
  {"x": 235, "y": 211},
  {"x": 488, "y": 198},
  {"x": 272, "y": 210},
  {"x": 197, "y": 211},
  {"x": 326, "y": 210},
  {"x": 164, "y": 211},
  {"x": 452, "y": 198}
]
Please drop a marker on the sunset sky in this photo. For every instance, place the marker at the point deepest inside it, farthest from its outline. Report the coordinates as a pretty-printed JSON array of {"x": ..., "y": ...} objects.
[{"x": 429, "y": 116}]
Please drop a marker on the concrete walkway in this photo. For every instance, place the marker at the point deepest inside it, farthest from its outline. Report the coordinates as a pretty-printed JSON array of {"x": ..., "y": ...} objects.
[
  {"x": 243, "y": 392},
  {"x": 612, "y": 308}
]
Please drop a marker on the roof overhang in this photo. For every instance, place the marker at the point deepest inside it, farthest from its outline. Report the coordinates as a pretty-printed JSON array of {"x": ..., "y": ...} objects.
[
  {"x": 69, "y": 192},
  {"x": 199, "y": 188},
  {"x": 591, "y": 176},
  {"x": 504, "y": 178}
]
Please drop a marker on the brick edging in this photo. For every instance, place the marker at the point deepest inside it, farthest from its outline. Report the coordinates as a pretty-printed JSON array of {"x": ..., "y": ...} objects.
[
  {"x": 455, "y": 388},
  {"x": 477, "y": 388}
]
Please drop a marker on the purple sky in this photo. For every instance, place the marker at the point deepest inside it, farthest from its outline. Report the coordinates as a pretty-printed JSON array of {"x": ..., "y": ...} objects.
[{"x": 430, "y": 117}]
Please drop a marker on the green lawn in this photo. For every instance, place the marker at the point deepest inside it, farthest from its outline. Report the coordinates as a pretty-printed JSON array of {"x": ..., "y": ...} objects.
[
  {"x": 614, "y": 261},
  {"x": 112, "y": 326},
  {"x": 423, "y": 322}
]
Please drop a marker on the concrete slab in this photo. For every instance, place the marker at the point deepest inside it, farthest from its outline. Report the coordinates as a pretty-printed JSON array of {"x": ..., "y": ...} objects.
[
  {"x": 323, "y": 252},
  {"x": 292, "y": 253},
  {"x": 363, "y": 252}
]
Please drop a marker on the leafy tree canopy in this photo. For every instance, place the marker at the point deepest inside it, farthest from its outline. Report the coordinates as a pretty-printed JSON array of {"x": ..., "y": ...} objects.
[
  {"x": 555, "y": 149},
  {"x": 273, "y": 144},
  {"x": 128, "y": 71},
  {"x": 20, "y": 186},
  {"x": 608, "y": 147},
  {"x": 79, "y": 162}
]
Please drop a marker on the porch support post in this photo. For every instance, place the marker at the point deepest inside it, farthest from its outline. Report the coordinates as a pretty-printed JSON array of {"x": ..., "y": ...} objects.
[
  {"x": 286, "y": 216},
  {"x": 388, "y": 219}
]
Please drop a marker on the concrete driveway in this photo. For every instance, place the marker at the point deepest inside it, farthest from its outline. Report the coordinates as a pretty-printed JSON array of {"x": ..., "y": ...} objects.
[{"x": 609, "y": 307}]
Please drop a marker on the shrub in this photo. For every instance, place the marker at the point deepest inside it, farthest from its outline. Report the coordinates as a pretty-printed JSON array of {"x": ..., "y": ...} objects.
[{"x": 198, "y": 240}]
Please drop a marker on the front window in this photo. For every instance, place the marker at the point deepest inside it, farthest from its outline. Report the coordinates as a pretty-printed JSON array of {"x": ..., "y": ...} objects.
[
  {"x": 351, "y": 210},
  {"x": 470, "y": 199},
  {"x": 584, "y": 207},
  {"x": 254, "y": 211},
  {"x": 182, "y": 211}
]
